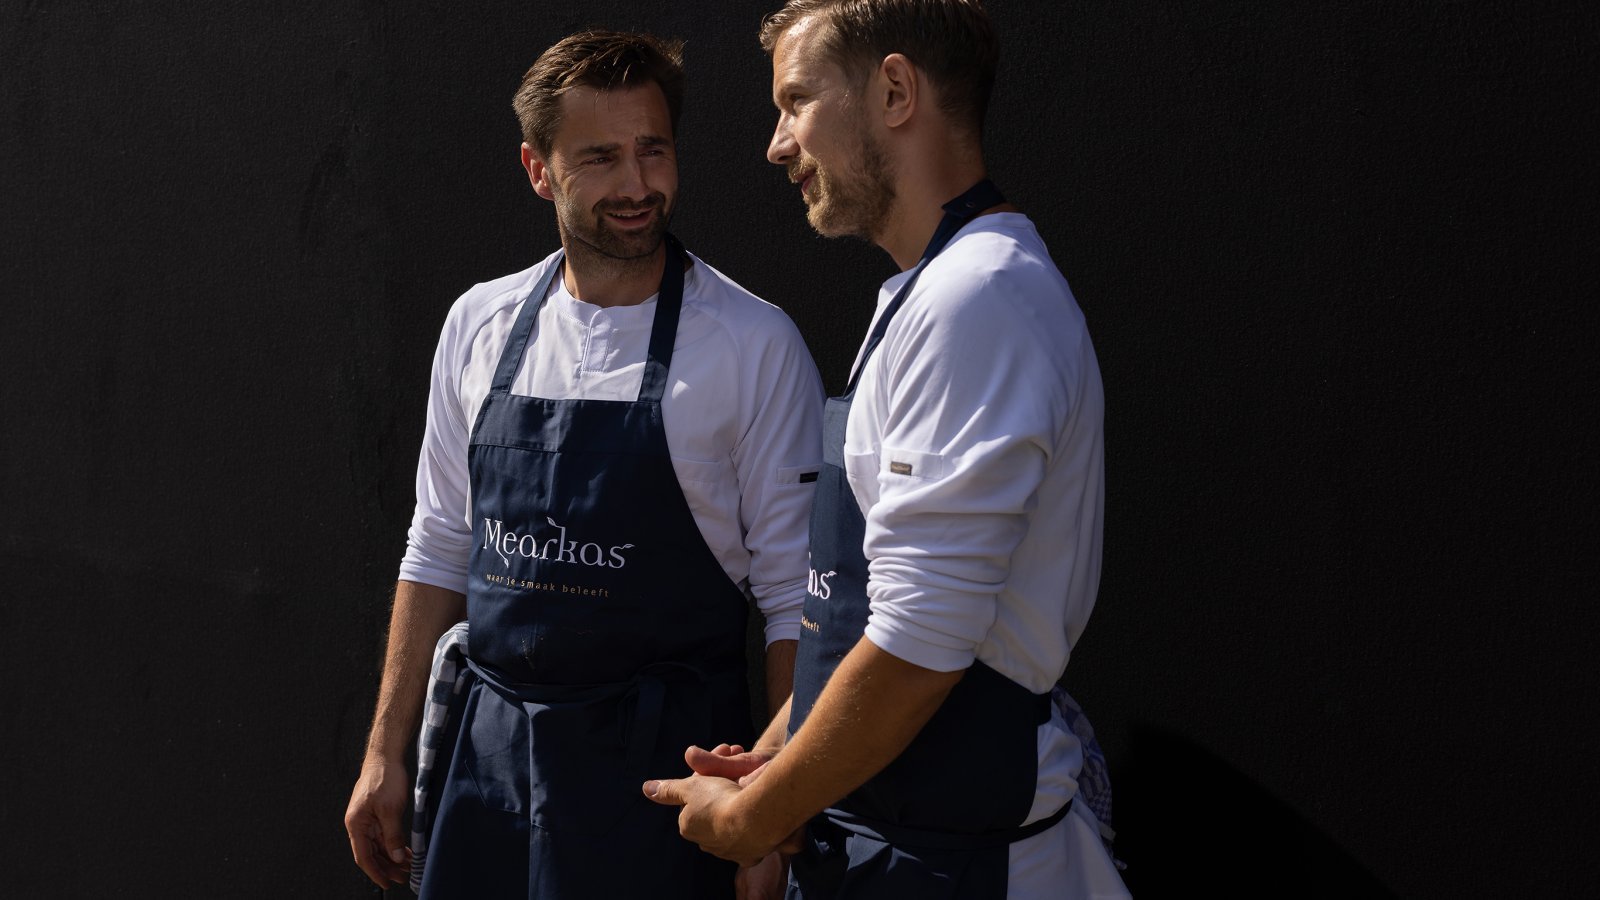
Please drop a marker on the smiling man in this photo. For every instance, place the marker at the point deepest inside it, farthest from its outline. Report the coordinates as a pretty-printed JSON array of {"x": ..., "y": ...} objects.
[
  {"x": 620, "y": 443},
  {"x": 955, "y": 538}
]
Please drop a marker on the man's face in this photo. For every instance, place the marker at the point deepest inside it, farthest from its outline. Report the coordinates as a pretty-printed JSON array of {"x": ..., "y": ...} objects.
[
  {"x": 824, "y": 139},
  {"x": 612, "y": 171}
]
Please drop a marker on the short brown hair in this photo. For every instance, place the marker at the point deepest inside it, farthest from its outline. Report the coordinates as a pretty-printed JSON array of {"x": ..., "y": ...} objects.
[
  {"x": 604, "y": 60},
  {"x": 951, "y": 40}
]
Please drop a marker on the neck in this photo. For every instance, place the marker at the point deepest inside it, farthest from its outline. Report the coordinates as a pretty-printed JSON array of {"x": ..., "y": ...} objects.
[
  {"x": 924, "y": 183},
  {"x": 603, "y": 280}
]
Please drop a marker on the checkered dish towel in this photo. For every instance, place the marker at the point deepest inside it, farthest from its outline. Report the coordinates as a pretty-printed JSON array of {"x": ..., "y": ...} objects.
[
  {"x": 1094, "y": 782},
  {"x": 444, "y": 684}
]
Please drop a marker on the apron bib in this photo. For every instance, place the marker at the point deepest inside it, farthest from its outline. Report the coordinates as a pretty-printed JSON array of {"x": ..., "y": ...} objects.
[
  {"x": 605, "y": 638},
  {"x": 930, "y": 825}
]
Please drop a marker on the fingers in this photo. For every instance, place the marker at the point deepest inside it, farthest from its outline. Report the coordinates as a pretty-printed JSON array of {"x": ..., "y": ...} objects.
[
  {"x": 398, "y": 854},
  {"x": 372, "y": 822},
  {"x": 667, "y": 792},
  {"x": 747, "y": 780},
  {"x": 384, "y": 865},
  {"x": 703, "y": 820},
  {"x": 367, "y": 860},
  {"x": 356, "y": 825},
  {"x": 763, "y": 881},
  {"x": 730, "y": 762}
]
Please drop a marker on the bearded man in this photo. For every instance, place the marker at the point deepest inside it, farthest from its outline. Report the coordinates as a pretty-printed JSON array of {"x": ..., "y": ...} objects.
[
  {"x": 955, "y": 535},
  {"x": 620, "y": 443}
]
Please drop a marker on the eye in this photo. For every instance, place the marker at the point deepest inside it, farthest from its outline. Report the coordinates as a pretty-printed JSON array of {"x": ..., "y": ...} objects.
[{"x": 597, "y": 160}]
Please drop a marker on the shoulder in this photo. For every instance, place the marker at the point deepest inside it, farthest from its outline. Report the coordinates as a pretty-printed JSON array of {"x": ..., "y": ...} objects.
[
  {"x": 1001, "y": 262},
  {"x": 484, "y": 301},
  {"x": 994, "y": 309},
  {"x": 737, "y": 314},
  {"x": 995, "y": 280}
]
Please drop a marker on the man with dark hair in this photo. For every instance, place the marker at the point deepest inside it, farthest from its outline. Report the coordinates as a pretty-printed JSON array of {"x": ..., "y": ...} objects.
[
  {"x": 955, "y": 535},
  {"x": 596, "y": 498}
]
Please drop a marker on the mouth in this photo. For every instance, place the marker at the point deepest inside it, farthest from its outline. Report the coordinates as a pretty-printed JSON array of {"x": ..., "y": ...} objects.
[
  {"x": 631, "y": 219},
  {"x": 805, "y": 180}
]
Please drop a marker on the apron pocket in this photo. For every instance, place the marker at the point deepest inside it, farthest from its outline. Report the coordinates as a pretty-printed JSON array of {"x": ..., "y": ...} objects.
[
  {"x": 584, "y": 777},
  {"x": 494, "y": 750}
]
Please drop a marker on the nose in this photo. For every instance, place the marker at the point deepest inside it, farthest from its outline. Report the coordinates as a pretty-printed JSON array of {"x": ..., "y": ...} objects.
[
  {"x": 783, "y": 146},
  {"x": 630, "y": 185}
]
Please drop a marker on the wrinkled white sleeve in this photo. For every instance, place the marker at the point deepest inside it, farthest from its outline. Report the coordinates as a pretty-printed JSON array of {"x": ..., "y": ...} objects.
[
  {"x": 964, "y": 396},
  {"x": 439, "y": 544},
  {"x": 776, "y": 460}
]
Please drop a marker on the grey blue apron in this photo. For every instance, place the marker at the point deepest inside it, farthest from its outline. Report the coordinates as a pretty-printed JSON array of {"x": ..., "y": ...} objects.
[
  {"x": 605, "y": 638},
  {"x": 938, "y": 822}
]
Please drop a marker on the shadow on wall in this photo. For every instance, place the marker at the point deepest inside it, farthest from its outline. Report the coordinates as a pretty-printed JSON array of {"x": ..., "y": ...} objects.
[{"x": 1188, "y": 821}]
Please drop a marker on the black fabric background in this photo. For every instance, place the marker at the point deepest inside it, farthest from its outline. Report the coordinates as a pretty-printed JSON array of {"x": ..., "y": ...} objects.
[{"x": 1338, "y": 260}]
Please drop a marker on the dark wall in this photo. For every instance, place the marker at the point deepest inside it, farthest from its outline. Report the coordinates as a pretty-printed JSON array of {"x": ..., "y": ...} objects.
[{"x": 1338, "y": 264}]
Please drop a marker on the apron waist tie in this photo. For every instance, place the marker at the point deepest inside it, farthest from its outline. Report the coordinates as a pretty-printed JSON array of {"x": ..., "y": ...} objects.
[
  {"x": 924, "y": 839},
  {"x": 648, "y": 688}
]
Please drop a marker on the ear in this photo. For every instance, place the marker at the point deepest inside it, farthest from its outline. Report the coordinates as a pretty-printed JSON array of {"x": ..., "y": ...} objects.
[
  {"x": 538, "y": 172},
  {"x": 899, "y": 85}
]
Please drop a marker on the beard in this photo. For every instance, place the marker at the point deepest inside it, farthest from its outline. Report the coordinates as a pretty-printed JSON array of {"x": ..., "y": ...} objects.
[
  {"x": 853, "y": 202},
  {"x": 594, "y": 237}
]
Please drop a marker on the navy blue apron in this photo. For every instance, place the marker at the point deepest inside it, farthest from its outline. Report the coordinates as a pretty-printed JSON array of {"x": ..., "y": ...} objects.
[
  {"x": 605, "y": 638},
  {"x": 939, "y": 820}
]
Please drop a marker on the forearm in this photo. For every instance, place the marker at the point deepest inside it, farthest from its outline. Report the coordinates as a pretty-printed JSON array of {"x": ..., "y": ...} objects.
[
  {"x": 421, "y": 613},
  {"x": 780, "y": 684},
  {"x": 780, "y": 690},
  {"x": 777, "y": 731},
  {"x": 871, "y": 709}
]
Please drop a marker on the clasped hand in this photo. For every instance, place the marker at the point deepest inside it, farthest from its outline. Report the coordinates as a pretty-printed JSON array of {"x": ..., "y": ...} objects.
[{"x": 712, "y": 816}]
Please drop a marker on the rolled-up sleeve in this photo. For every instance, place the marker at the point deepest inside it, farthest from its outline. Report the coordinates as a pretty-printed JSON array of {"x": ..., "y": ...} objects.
[
  {"x": 776, "y": 460},
  {"x": 964, "y": 448},
  {"x": 439, "y": 543}
]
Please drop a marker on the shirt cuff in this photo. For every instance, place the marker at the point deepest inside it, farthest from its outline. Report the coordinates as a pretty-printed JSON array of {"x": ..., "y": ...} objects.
[
  {"x": 783, "y": 623},
  {"x": 919, "y": 646},
  {"x": 449, "y": 579}
]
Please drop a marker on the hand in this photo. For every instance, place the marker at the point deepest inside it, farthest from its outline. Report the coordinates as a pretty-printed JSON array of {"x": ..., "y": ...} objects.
[
  {"x": 728, "y": 761},
  {"x": 766, "y": 880},
  {"x": 708, "y": 817},
  {"x": 373, "y": 822}
]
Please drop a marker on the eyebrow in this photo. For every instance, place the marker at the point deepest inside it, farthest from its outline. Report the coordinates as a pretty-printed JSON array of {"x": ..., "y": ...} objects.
[
  {"x": 648, "y": 140},
  {"x": 789, "y": 85}
]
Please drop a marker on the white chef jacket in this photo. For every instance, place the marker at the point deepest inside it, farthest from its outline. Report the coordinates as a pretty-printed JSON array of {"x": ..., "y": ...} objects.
[
  {"x": 742, "y": 414},
  {"x": 974, "y": 449}
]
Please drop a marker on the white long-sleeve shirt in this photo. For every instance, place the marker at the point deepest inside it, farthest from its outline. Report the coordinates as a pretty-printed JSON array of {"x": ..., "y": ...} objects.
[
  {"x": 742, "y": 413},
  {"x": 974, "y": 449}
]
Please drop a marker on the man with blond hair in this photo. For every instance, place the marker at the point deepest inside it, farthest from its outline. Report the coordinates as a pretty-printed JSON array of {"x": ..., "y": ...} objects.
[{"x": 955, "y": 536}]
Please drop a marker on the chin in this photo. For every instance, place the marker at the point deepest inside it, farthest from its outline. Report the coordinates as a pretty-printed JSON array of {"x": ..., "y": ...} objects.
[{"x": 828, "y": 223}]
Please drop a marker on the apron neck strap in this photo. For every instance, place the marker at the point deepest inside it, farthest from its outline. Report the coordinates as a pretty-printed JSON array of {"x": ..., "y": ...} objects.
[
  {"x": 663, "y": 329},
  {"x": 960, "y": 211},
  {"x": 957, "y": 213}
]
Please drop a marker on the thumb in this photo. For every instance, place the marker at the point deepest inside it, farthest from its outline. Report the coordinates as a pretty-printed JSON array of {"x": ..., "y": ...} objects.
[{"x": 666, "y": 792}]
